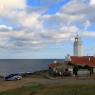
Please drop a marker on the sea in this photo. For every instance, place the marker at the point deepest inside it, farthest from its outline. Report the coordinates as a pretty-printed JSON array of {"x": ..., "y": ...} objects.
[{"x": 9, "y": 66}]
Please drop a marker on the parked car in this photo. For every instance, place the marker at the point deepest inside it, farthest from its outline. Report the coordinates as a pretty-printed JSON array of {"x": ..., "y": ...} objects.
[{"x": 13, "y": 77}]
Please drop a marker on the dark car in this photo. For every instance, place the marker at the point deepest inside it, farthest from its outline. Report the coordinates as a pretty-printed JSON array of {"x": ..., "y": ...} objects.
[{"x": 13, "y": 77}]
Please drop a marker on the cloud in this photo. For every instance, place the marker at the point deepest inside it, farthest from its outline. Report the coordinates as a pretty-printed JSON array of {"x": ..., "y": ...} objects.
[
  {"x": 73, "y": 6},
  {"x": 92, "y": 2},
  {"x": 64, "y": 34},
  {"x": 37, "y": 30},
  {"x": 21, "y": 39},
  {"x": 9, "y": 6},
  {"x": 5, "y": 28},
  {"x": 35, "y": 39},
  {"x": 30, "y": 20},
  {"x": 88, "y": 34},
  {"x": 27, "y": 36},
  {"x": 80, "y": 11},
  {"x": 12, "y": 3},
  {"x": 71, "y": 14}
]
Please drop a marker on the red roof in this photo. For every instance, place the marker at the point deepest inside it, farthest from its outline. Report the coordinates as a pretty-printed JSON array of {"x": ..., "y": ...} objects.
[
  {"x": 54, "y": 65},
  {"x": 83, "y": 60}
]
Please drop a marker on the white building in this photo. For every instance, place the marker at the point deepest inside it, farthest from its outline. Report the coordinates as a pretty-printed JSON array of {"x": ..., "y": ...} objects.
[{"x": 78, "y": 47}]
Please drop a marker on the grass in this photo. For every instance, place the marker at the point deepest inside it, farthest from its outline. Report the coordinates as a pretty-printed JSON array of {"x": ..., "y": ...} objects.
[
  {"x": 38, "y": 89},
  {"x": 25, "y": 90}
]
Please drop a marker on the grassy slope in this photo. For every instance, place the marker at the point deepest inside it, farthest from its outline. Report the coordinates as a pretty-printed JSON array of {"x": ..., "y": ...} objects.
[{"x": 37, "y": 89}]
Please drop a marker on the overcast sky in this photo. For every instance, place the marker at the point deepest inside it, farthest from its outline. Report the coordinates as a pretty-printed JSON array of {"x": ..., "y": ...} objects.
[{"x": 45, "y": 28}]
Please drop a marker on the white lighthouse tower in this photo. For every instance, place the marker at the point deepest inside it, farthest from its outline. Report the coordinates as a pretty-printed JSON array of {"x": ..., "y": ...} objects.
[{"x": 78, "y": 47}]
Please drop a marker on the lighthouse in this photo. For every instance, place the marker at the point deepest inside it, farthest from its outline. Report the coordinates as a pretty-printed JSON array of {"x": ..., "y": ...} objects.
[{"x": 78, "y": 47}]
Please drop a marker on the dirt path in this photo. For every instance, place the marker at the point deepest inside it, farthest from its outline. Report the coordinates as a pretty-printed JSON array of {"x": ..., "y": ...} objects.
[{"x": 8, "y": 85}]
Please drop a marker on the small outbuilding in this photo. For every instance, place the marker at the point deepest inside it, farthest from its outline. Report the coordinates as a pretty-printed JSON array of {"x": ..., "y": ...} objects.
[{"x": 59, "y": 69}]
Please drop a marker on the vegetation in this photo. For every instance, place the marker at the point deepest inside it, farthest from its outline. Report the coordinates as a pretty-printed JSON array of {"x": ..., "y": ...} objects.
[{"x": 38, "y": 89}]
